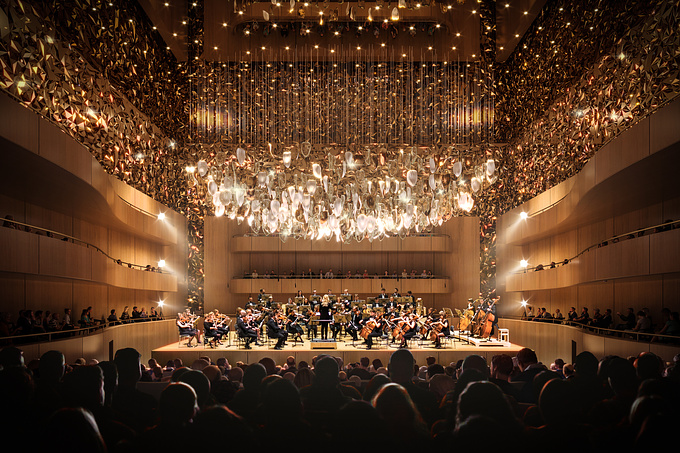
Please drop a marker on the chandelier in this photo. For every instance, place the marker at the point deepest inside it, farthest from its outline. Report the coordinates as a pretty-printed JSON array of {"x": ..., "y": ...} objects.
[{"x": 304, "y": 147}]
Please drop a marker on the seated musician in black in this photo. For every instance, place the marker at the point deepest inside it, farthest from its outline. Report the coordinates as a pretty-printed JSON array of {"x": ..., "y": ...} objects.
[
  {"x": 336, "y": 327},
  {"x": 444, "y": 332},
  {"x": 186, "y": 328},
  {"x": 408, "y": 329},
  {"x": 376, "y": 324},
  {"x": 354, "y": 324},
  {"x": 222, "y": 323},
  {"x": 391, "y": 303},
  {"x": 274, "y": 330},
  {"x": 382, "y": 297},
  {"x": 210, "y": 330},
  {"x": 244, "y": 330},
  {"x": 293, "y": 325}
]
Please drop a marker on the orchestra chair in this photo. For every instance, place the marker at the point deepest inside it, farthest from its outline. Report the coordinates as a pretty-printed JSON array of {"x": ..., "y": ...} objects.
[
  {"x": 504, "y": 335},
  {"x": 182, "y": 335},
  {"x": 207, "y": 339}
]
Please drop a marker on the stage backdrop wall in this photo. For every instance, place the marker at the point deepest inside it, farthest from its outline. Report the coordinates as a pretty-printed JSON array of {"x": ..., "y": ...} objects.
[{"x": 452, "y": 254}]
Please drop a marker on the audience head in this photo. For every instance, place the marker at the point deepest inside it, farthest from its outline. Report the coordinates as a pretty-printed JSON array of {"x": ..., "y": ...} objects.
[
  {"x": 476, "y": 362},
  {"x": 401, "y": 366},
  {"x": 128, "y": 363},
  {"x": 326, "y": 372},
  {"x": 52, "y": 366},
  {"x": 586, "y": 364},
  {"x": 304, "y": 377},
  {"x": 556, "y": 403},
  {"x": 485, "y": 399},
  {"x": 200, "y": 383},
  {"x": 84, "y": 387},
  {"x": 526, "y": 357},
  {"x": 501, "y": 366},
  {"x": 648, "y": 366},
  {"x": 178, "y": 404},
  {"x": 75, "y": 424},
  {"x": 252, "y": 377},
  {"x": 11, "y": 357}
]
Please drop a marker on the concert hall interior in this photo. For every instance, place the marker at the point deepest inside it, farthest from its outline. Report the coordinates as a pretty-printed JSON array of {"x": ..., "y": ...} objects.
[{"x": 451, "y": 198}]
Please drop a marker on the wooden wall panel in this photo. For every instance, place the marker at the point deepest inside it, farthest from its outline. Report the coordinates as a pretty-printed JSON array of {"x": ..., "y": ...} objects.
[
  {"x": 638, "y": 293},
  {"x": 664, "y": 250},
  {"x": 12, "y": 293},
  {"x": 19, "y": 251},
  {"x": 50, "y": 294}
]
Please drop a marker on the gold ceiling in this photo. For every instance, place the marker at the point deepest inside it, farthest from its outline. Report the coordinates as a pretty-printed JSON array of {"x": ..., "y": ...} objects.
[{"x": 584, "y": 72}]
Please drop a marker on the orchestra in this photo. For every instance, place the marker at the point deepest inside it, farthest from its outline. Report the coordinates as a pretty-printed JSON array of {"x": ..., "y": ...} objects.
[{"x": 395, "y": 319}]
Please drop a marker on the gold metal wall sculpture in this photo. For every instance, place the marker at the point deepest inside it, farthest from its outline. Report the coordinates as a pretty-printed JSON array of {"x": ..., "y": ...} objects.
[{"x": 589, "y": 71}]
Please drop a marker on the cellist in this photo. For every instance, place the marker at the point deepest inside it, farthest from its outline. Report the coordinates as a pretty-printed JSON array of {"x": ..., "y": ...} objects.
[
  {"x": 408, "y": 329},
  {"x": 444, "y": 331}
]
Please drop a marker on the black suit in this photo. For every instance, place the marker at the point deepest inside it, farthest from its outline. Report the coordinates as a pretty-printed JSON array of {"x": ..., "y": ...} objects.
[
  {"x": 354, "y": 325},
  {"x": 274, "y": 331},
  {"x": 245, "y": 331}
]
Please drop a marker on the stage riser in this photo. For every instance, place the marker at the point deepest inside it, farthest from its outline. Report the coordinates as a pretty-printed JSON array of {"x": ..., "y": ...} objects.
[{"x": 443, "y": 356}]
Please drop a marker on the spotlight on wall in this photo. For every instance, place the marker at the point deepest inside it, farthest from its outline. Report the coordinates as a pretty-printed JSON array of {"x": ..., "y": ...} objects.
[
  {"x": 523, "y": 303},
  {"x": 523, "y": 263},
  {"x": 161, "y": 263},
  {"x": 161, "y": 216},
  {"x": 523, "y": 215},
  {"x": 161, "y": 303}
]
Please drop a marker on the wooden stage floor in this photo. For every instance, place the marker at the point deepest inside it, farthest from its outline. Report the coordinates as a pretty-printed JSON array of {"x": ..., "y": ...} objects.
[{"x": 451, "y": 352}]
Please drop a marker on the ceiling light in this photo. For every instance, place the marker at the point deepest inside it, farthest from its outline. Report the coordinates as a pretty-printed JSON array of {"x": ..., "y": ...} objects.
[
  {"x": 161, "y": 216},
  {"x": 523, "y": 215},
  {"x": 523, "y": 263},
  {"x": 161, "y": 263}
]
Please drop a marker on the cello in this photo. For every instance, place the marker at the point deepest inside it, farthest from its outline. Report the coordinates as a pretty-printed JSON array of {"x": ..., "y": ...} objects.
[{"x": 487, "y": 322}]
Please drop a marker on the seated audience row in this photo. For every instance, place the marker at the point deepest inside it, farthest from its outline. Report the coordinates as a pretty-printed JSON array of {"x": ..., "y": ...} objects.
[{"x": 613, "y": 404}]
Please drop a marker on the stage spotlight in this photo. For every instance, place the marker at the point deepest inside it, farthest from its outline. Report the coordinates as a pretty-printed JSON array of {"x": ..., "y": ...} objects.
[
  {"x": 161, "y": 216},
  {"x": 161, "y": 263},
  {"x": 524, "y": 263},
  {"x": 523, "y": 215}
]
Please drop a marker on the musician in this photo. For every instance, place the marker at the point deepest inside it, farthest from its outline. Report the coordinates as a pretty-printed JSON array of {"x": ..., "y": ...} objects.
[
  {"x": 408, "y": 329},
  {"x": 444, "y": 331},
  {"x": 293, "y": 325},
  {"x": 346, "y": 299},
  {"x": 410, "y": 300},
  {"x": 254, "y": 320},
  {"x": 383, "y": 296},
  {"x": 222, "y": 323},
  {"x": 186, "y": 328},
  {"x": 210, "y": 330},
  {"x": 250, "y": 303},
  {"x": 335, "y": 327},
  {"x": 490, "y": 307},
  {"x": 274, "y": 330},
  {"x": 325, "y": 316},
  {"x": 391, "y": 304},
  {"x": 312, "y": 331},
  {"x": 396, "y": 294},
  {"x": 376, "y": 322},
  {"x": 246, "y": 331},
  {"x": 261, "y": 297},
  {"x": 354, "y": 324}
]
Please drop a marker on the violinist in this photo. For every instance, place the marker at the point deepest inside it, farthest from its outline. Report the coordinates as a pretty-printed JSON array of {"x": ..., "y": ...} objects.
[
  {"x": 275, "y": 330},
  {"x": 210, "y": 330},
  {"x": 293, "y": 325},
  {"x": 186, "y": 328},
  {"x": 245, "y": 330},
  {"x": 222, "y": 323}
]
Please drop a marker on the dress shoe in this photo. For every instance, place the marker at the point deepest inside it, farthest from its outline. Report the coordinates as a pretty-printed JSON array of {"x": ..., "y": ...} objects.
[{"x": 247, "y": 347}]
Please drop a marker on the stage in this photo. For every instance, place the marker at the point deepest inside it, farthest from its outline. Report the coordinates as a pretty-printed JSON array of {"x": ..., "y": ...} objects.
[{"x": 451, "y": 351}]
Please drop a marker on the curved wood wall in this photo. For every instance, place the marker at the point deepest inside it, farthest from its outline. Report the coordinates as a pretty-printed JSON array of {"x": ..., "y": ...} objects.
[
  {"x": 50, "y": 181},
  {"x": 629, "y": 184}
]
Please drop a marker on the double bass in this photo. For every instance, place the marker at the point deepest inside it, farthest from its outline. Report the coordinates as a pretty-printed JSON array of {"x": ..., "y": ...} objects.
[{"x": 487, "y": 321}]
